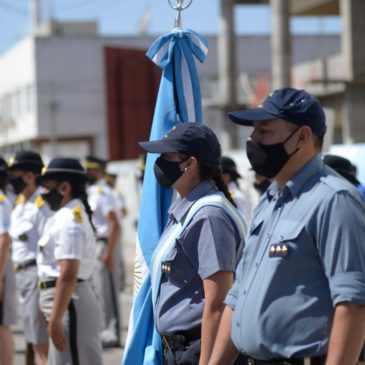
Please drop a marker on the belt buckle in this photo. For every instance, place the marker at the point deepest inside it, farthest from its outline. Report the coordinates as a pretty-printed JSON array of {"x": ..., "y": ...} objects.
[
  {"x": 16, "y": 267},
  {"x": 251, "y": 361}
]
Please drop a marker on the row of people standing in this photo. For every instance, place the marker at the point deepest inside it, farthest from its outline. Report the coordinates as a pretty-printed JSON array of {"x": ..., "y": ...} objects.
[
  {"x": 298, "y": 297},
  {"x": 56, "y": 259}
]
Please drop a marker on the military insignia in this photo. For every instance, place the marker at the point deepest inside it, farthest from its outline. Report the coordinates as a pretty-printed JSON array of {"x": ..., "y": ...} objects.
[
  {"x": 44, "y": 170},
  {"x": 19, "y": 199},
  {"x": 100, "y": 189},
  {"x": 77, "y": 212},
  {"x": 278, "y": 250},
  {"x": 39, "y": 202},
  {"x": 23, "y": 237},
  {"x": 165, "y": 267},
  {"x": 2, "y": 198},
  {"x": 11, "y": 161}
]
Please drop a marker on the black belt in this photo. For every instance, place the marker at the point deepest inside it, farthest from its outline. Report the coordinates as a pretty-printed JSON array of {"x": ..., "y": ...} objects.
[
  {"x": 181, "y": 338},
  {"x": 24, "y": 265},
  {"x": 316, "y": 360},
  {"x": 51, "y": 284}
]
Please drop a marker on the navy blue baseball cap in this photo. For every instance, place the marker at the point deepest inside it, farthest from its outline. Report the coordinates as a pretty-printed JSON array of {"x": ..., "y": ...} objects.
[
  {"x": 295, "y": 106},
  {"x": 191, "y": 139}
]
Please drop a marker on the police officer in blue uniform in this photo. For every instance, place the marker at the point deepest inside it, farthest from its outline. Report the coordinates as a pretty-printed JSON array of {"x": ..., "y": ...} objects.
[
  {"x": 299, "y": 294},
  {"x": 200, "y": 246}
]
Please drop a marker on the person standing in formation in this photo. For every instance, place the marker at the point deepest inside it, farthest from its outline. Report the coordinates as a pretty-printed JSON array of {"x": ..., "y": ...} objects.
[
  {"x": 7, "y": 279},
  {"x": 66, "y": 260},
  {"x": 231, "y": 176},
  {"x": 27, "y": 223},
  {"x": 194, "y": 261},
  {"x": 299, "y": 294},
  {"x": 106, "y": 223}
]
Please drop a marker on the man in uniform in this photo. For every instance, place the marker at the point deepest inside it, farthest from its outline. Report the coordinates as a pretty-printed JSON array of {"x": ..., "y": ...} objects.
[
  {"x": 27, "y": 222},
  {"x": 299, "y": 294},
  {"x": 106, "y": 223},
  {"x": 7, "y": 280}
]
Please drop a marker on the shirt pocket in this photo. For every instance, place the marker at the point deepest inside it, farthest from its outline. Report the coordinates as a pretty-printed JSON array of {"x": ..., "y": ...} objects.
[
  {"x": 285, "y": 245},
  {"x": 177, "y": 266},
  {"x": 22, "y": 231}
]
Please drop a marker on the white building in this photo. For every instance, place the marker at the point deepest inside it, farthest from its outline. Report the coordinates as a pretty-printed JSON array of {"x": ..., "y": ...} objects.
[{"x": 54, "y": 90}]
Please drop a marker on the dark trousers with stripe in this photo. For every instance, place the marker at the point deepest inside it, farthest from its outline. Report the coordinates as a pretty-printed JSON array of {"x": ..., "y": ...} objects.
[{"x": 82, "y": 323}]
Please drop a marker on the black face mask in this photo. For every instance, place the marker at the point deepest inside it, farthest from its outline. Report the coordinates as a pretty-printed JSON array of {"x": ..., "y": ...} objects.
[
  {"x": 53, "y": 198},
  {"x": 91, "y": 179},
  {"x": 268, "y": 160},
  {"x": 167, "y": 172},
  {"x": 18, "y": 184},
  {"x": 262, "y": 186}
]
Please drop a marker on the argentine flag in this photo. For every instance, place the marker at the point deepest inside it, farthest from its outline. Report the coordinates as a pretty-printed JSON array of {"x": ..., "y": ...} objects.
[{"x": 178, "y": 100}]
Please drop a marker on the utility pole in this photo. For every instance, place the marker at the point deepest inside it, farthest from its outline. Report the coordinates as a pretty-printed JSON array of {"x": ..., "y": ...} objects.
[{"x": 36, "y": 14}]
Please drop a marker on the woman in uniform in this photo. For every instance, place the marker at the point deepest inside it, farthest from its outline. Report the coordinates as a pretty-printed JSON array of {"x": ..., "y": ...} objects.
[
  {"x": 195, "y": 259},
  {"x": 66, "y": 260},
  {"x": 7, "y": 279}
]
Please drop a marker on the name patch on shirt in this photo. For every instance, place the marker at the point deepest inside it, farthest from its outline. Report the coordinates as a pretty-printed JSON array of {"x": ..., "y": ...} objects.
[{"x": 278, "y": 250}]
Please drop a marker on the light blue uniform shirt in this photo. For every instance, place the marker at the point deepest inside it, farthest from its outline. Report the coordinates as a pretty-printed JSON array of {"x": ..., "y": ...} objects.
[
  {"x": 209, "y": 243},
  {"x": 284, "y": 302}
]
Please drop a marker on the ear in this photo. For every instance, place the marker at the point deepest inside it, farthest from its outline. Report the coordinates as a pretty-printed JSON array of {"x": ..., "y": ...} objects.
[
  {"x": 305, "y": 135},
  {"x": 192, "y": 164},
  {"x": 65, "y": 188}
]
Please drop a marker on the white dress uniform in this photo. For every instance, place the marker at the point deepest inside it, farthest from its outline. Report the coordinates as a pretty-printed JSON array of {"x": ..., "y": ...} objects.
[
  {"x": 243, "y": 203},
  {"x": 102, "y": 202},
  {"x": 8, "y": 303},
  {"x": 27, "y": 223},
  {"x": 69, "y": 236}
]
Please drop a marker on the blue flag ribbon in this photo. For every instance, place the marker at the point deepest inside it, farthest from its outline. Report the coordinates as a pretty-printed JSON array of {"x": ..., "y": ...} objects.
[{"x": 178, "y": 101}]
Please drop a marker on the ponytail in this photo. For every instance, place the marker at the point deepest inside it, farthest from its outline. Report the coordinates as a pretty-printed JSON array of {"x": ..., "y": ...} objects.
[
  {"x": 214, "y": 172},
  {"x": 89, "y": 212}
]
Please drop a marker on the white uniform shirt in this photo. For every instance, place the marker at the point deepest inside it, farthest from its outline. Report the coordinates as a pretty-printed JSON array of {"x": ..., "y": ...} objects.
[
  {"x": 5, "y": 213},
  {"x": 27, "y": 223},
  {"x": 243, "y": 203},
  {"x": 68, "y": 235},
  {"x": 102, "y": 202}
]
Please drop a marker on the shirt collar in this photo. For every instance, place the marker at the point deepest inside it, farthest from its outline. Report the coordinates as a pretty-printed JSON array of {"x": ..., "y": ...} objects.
[
  {"x": 296, "y": 183},
  {"x": 181, "y": 206}
]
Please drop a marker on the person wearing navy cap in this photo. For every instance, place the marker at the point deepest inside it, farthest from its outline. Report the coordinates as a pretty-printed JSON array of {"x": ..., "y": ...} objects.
[
  {"x": 28, "y": 219},
  {"x": 7, "y": 279},
  {"x": 66, "y": 260},
  {"x": 107, "y": 272},
  {"x": 345, "y": 168},
  {"x": 231, "y": 176},
  {"x": 299, "y": 294},
  {"x": 193, "y": 264}
]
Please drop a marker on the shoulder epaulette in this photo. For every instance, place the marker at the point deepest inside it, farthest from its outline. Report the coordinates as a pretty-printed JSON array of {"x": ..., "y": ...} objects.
[
  {"x": 77, "y": 212},
  {"x": 100, "y": 189},
  {"x": 2, "y": 198},
  {"x": 19, "y": 199},
  {"x": 39, "y": 202}
]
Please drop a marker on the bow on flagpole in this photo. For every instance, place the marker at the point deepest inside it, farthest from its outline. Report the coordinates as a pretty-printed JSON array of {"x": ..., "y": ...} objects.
[{"x": 178, "y": 101}]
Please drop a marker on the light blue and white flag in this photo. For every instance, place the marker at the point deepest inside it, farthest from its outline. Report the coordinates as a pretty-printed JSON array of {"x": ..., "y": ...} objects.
[{"x": 178, "y": 100}]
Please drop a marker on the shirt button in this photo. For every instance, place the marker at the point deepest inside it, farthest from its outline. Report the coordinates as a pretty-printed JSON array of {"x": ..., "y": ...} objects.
[
  {"x": 257, "y": 264},
  {"x": 244, "y": 292},
  {"x": 237, "y": 324}
]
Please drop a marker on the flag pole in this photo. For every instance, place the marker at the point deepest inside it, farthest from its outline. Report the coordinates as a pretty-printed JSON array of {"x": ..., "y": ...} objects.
[{"x": 179, "y": 7}]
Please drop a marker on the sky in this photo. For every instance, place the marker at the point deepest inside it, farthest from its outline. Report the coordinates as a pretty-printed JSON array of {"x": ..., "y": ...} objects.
[{"x": 120, "y": 17}]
